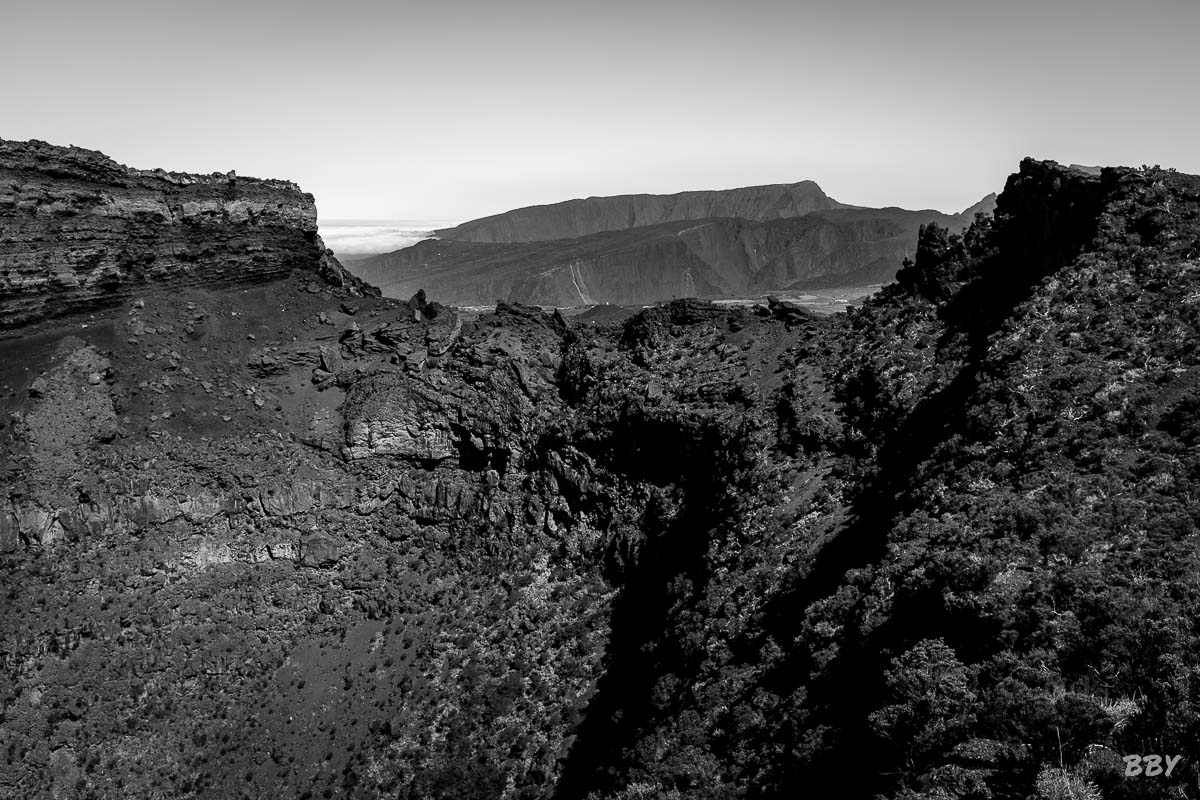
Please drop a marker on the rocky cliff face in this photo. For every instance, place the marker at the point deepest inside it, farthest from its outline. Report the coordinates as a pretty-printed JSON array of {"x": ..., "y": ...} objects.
[
  {"x": 274, "y": 540},
  {"x": 574, "y": 218},
  {"x": 79, "y": 231},
  {"x": 639, "y": 249}
]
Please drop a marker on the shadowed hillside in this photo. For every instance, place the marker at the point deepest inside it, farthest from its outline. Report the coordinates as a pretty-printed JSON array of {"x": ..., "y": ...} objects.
[{"x": 82, "y": 232}]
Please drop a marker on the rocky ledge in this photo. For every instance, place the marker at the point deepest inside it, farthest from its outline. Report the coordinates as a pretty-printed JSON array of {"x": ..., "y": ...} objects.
[{"x": 79, "y": 231}]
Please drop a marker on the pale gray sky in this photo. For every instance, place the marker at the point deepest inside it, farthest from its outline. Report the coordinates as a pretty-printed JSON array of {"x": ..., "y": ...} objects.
[{"x": 460, "y": 108}]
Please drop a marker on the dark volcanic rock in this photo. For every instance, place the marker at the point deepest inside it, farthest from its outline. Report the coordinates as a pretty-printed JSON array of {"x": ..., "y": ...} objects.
[
  {"x": 318, "y": 551},
  {"x": 82, "y": 232}
]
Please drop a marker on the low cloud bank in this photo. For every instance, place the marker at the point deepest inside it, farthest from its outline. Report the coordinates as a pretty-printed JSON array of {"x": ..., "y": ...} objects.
[{"x": 371, "y": 238}]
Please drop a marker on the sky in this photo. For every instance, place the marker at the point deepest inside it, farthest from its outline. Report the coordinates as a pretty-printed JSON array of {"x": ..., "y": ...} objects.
[{"x": 455, "y": 109}]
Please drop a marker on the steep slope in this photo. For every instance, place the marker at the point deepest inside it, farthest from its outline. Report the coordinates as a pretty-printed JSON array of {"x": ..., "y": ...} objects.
[
  {"x": 574, "y": 218},
  {"x": 81, "y": 232},
  {"x": 695, "y": 258},
  {"x": 271, "y": 541},
  {"x": 985, "y": 206},
  {"x": 995, "y": 596}
]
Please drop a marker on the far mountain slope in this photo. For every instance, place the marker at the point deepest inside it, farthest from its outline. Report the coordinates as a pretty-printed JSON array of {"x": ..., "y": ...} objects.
[
  {"x": 636, "y": 266},
  {"x": 716, "y": 257},
  {"x": 985, "y": 206},
  {"x": 574, "y": 218}
]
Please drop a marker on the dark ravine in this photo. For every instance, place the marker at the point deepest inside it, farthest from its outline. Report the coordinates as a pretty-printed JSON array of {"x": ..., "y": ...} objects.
[
  {"x": 276, "y": 539},
  {"x": 79, "y": 232}
]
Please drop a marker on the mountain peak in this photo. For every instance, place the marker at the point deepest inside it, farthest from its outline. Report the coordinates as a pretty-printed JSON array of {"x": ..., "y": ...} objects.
[{"x": 985, "y": 206}]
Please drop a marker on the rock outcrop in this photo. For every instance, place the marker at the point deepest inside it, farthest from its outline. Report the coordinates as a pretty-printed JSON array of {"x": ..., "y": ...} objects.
[{"x": 80, "y": 232}]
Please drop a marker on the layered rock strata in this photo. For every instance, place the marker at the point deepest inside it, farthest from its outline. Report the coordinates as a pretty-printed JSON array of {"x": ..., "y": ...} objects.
[{"x": 79, "y": 231}]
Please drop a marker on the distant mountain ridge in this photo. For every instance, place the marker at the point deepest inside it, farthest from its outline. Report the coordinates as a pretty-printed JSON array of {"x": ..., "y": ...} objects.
[
  {"x": 716, "y": 257},
  {"x": 640, "y": 249},
  {"x": 572, "y": 218}
]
